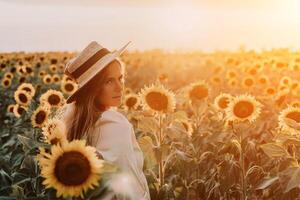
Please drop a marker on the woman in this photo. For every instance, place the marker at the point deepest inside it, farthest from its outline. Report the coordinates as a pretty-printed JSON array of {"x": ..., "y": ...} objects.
[{"x": 89, "y": 114}]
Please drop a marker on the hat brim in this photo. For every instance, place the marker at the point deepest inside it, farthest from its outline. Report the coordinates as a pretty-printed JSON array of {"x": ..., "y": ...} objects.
[{"x": 114, "y": 55}]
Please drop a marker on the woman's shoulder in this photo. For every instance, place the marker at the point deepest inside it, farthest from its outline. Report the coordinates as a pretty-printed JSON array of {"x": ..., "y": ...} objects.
[{"x": 112, "y": 115}]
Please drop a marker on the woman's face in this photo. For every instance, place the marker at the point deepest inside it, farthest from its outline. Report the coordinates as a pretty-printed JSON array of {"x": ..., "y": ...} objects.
[{"x": 110, "y": 94}]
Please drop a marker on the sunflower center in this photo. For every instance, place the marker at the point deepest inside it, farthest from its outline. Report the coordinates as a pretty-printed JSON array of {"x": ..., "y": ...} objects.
[
  {"x": 27, "y": 89},
  {"x": 23, "y": 98},
  {"x": 294, "y": 116},
  {"x": 53, "y": 99},
  {"x": 69, "y": 87},
  {"x": 223, "y": 102},
  {"x": 54, "y": 141},
  {"x": 157, "y": 101},
  {"x": 72, "y": 168},
  {"x": 6, "y": 82},
  {"x": 249, "y": 82},
  {"x": 20, "y": 110},
  {"x": 40, "y": 117},
  {"x": 199, "y": 92},
  {"x": 243, "y": 109},
  {"x": 131, "y": 102}
]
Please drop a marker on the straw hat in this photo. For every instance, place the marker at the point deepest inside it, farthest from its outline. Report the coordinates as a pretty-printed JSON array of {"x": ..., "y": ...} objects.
[{"x": 89, "y": 62}]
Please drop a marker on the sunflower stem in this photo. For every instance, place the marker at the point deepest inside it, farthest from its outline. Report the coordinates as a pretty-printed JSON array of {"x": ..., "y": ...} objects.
[
  {"x": 242, "y": 163},
  {"x": 160, "y": 174}
]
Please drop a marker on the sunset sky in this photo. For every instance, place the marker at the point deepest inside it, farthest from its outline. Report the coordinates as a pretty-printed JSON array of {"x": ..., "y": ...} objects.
[{"x": 36, "y": 25}]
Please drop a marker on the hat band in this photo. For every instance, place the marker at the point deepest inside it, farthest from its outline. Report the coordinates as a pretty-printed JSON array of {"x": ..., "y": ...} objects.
[
  {"x": 97, "y": 67},
  {"x": 90, "y": 62}
]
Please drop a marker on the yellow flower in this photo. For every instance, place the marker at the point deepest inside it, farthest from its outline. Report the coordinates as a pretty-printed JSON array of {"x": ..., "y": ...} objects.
[
  {"x": 10, "y": 108},
  {"x": 131, "y": 101},
  {"x": 222, "y": 100},
  {"x": 71, "y": 168},
  {"x": 286, "y": 81},
  {"x": 40, "y": 116},
  {"x": 53, "y": 98},
  {"x": 263, "y": 80},
  {"x": 55, "y": 132},
  {"x": 28, "y": 88},
  {"x": 270, "y": 91},
  {"x": 248, "y": 82},
  {"x": 197, "y": 91},
  {"x": 232, "y": 82},
  {"x": 157, "y": 98},
  {"x": 56, "y": 79},
  {"x": 19, "y": 110},
  {"x": 242, "y": 108},
  {"x": 68, "y": 87},
  {"x": 289, "y": 120},
  {"x": 42, "y": 73},
  {"x": 6, "y": 82},
  {"x": 53, "y": 68},
  {"x": 8, "y": 75},
  {"x": 22, "y": 97},
  {"x": 47, "y": 79}
]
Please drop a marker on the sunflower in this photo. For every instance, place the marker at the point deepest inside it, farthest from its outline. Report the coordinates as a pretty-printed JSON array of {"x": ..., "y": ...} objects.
[
  {"x": 197, "y": 91},
  {"x": 53, "y": 98},
  {"x": 22, "y": 97},
  {"x": 270, "y": 91},
  {"x": 28, "y": 70},
  {"x": 68, "y": 87},
  {"x": 53, "y": 68},
  {"x": 66, "y": 78},
  {"x": 157, "y": 98},
  {"x": 242, "y": 108},
  {"x": 6, "y": 82},
  {"x": 28, "y": 87},
  {"x": 47, "y": 79},
  {"x": 263, "y": 80},
  {"x": 289, "y": 120},
  {"x": 222, "y": 100},
  {"x": 19, "y": 110},
  {"x": 42, "y": 73},
  {"x": 286, "y": 80},
  {"x": 127, "y": 90},
  {"x": 22, "y": 79},
  {"x": 131, "y": 101},
  {"x": 248, "y": 82},
  {"x": 232, "y": 82},
  {"x": 40, "y": 116},
  {"x": 55, "y": 132},
  {"x": 10, "y": 108},
  {"x": 8, "y": 75},
  {"x": 71, "y": 169},
  {"x": 215, "y": 80},
  {"x": 231, "y": 74},
  {"x": 56, "y": 79}
]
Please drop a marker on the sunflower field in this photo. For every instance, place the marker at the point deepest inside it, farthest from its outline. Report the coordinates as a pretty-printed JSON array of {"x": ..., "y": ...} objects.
[{"x": 220, "y": 125}]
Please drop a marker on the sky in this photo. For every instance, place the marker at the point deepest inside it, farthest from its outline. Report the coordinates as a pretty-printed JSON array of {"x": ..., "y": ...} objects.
[{"x": 207, "y": 25}]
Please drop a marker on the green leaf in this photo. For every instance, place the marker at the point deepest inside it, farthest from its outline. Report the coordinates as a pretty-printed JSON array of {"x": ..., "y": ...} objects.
[
  {"x": 274, "y": 150},
  {"x": 267, "y": 182},
  {"x": 26, "y": 142},
  {"x": 293, "y": 174}
]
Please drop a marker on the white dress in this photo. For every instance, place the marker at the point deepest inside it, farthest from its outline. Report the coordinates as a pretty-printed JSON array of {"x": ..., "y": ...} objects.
[{"x": 115, "y": 140}]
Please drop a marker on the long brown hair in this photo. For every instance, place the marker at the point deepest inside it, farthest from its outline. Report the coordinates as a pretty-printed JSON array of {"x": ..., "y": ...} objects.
[{"x": 86, "y": 111}]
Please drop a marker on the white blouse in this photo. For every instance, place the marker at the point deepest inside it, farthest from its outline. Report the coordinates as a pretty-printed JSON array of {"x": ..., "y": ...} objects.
[
  {"x": 117, "y": 143},
  {"x": 115, "y": 140}
]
